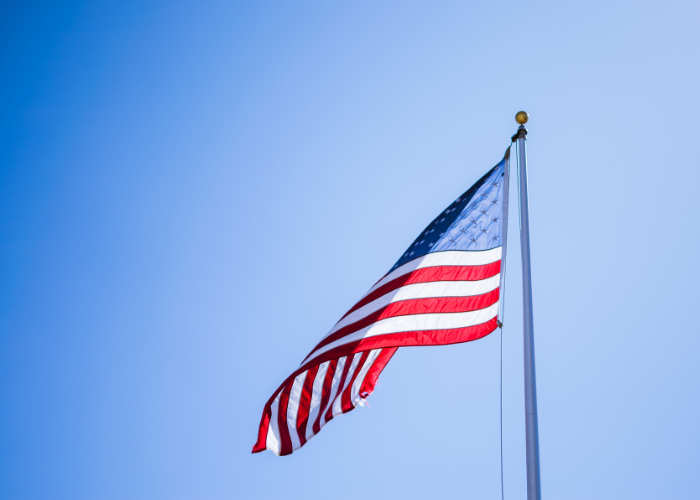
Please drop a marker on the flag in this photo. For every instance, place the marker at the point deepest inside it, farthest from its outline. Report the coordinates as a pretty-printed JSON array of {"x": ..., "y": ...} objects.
[{"x": 443, "y": 290}]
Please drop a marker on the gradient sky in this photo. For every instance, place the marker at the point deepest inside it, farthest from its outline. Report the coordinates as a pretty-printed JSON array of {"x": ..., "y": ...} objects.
[{"x": 192, "y": 194}]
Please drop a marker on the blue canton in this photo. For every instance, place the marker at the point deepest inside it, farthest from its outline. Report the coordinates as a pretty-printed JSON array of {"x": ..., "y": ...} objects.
[{"x": 472, "y": 222}]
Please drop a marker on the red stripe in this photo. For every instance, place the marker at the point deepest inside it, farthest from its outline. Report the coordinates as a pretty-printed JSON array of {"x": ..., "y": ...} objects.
[
  {"x": 424, "y": 337},
  {"x": 430, "y": 274},
  {"x": 427, "y": 337},
  {"x": 406, "y": 339},
  {"x": 325, "y": 393},
  {"x": 345, "y": 402},
  {"x": 260, "y": 444},
  {"x": 305, "y": 404},
  {"x": 341, "y": 384},
  {"x": 370, "y": 381},
  {"x": 415, "y": 306},
  {"x": 285, "y": 439}
]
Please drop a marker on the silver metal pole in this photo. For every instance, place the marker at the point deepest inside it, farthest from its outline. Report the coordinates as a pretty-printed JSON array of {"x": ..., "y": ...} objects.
[{"x": 531, "y": 431}]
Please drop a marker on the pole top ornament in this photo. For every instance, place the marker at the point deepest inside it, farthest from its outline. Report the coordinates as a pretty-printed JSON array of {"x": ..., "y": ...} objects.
[{"x": 522, "y": 117}]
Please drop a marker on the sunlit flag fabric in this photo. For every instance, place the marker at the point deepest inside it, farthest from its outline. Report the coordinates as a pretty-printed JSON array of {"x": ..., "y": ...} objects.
[{"x": 443, "y": 290}]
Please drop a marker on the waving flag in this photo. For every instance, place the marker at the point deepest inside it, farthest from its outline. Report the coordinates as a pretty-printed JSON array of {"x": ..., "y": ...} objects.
[{"x": 443, "y": 290}]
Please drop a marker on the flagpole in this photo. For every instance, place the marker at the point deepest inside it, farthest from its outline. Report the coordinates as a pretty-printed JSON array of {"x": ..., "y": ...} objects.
[{"x": 531, "y": 431}]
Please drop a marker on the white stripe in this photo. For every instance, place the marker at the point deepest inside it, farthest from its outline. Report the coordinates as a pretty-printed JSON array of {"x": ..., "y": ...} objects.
[
  {"x": 334, "y": 386},
  {"x": 316, "y": 398},
  {"x": 450, "y": 258},
  {"x": 355, "y": 392},
  {"x": 273, "y": 441},
  {"x": 416, "y": 322},
  {"x": 421, "y": 291},
  {"x": 293, "y": 409},
  {"x": 337, "y": 404}
]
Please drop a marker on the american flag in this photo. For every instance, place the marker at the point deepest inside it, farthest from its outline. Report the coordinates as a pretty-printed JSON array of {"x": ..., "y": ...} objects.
[{"x": 443, "y": 290}]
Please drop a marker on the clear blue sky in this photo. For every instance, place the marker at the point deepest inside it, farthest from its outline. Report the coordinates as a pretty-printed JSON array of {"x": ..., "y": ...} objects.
[{"x": 191, "y": 194}]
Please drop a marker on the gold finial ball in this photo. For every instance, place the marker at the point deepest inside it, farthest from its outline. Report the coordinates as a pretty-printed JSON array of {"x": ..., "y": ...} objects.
[{"x": 522, "y": 117}]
